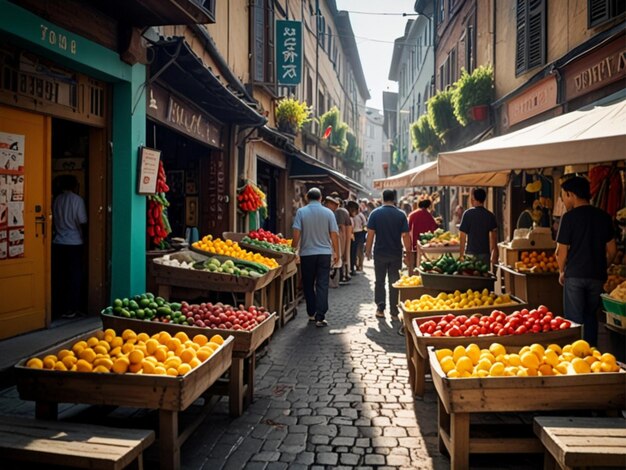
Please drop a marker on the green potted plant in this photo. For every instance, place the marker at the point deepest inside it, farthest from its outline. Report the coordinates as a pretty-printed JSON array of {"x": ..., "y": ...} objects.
[
  {"x": 338, "y": 129},
  {"x": 473, "y": 94},
  {"x": 291, "y": 115},
  {"x": 352, "y": 153},
  {"x": 424, "y": 137},
  {"x": 441, "y": 113}
]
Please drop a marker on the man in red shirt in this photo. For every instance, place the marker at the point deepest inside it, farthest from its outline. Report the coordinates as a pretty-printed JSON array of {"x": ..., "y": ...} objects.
[{"x": 421, "y": 221}]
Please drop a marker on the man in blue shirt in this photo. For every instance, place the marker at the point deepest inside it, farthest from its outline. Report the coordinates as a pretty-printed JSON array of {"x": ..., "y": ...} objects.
[
  {"x": 390, "y": 227},
  {"x": 315, "y": 236}
]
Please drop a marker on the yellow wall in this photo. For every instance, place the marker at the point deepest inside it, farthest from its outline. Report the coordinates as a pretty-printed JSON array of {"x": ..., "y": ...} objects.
[{"x": 566, "y": 27}]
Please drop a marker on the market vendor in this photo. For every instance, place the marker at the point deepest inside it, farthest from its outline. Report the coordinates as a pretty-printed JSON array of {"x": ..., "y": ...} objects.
[
  {"x": 585, "y": 247},
  {"x": 479, "y": 230},
  {"x": 421, "y": 221}
]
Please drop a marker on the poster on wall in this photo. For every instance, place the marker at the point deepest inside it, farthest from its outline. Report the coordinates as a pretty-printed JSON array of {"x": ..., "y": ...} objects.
[
  {"x": 11, "y": 195},
  {"x": 148, "y": 170}
]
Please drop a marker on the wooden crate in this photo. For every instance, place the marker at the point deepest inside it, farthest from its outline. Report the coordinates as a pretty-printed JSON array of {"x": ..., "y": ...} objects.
[
  {"x": 450, "y": 282},
  {"x": 616, "y": 321},
  {"x": 517, "y": 304},
  {"x": 535, "y": 289},
  {"x": 169, "y": 395},
  {"x": 410, "y": 293},
  {"x": 419, "y": 349},
  {"x": 280, "y": 257},
  {"x": 244, "y": 342},
  {"x": 459, "y": 398}
]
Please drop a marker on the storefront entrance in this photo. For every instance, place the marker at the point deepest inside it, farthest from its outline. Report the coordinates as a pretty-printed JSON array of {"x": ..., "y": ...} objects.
[{"x": 24, "y": 221}]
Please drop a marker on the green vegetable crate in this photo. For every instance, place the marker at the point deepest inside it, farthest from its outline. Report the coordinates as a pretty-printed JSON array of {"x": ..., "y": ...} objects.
[{"x": 614, "y": 306}]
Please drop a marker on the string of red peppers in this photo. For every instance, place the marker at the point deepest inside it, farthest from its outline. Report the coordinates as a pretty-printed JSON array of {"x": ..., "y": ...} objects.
[
  {"x": 250, "y": 198},
  {"x": 158, "y": 226}
]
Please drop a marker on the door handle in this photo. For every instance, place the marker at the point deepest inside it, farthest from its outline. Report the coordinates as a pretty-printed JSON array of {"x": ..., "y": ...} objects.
[{"x": 40, "y": 221}]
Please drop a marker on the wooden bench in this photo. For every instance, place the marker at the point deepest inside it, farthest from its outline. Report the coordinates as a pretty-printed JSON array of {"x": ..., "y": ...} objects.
[
  {"x": 582, "y": 442},
  {"x": 72, "y": 444}
]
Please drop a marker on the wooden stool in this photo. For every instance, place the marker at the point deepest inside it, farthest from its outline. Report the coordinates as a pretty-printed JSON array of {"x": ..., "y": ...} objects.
[{"x": 582, "y": 442}]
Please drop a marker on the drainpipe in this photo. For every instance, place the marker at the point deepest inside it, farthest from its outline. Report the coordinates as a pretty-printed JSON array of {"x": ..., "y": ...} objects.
[{"x": 317, "y": 63}]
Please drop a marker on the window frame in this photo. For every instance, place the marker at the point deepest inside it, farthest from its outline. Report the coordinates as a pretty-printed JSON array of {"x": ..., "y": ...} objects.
[
  {"x": 267, "y": 58},
  {"x": 612, "y": 12},
  {"x": 527, "y": 12}
]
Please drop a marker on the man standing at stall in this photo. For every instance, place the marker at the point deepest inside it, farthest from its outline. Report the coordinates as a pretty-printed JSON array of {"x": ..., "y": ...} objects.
[
  {"x": 315, "y": 237},
  {"x": 479, "y": 230},
  {"x": 585, "y": 247},
  {"x": 390, "y": 227}
]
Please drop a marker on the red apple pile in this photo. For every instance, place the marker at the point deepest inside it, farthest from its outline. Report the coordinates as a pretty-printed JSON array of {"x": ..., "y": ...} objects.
[
  {"x": 497, "y": 323},
  {"x": 223, "y": 316}
]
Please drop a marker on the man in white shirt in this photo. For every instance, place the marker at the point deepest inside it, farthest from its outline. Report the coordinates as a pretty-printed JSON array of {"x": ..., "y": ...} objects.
[{"x": 69, "y": 215}]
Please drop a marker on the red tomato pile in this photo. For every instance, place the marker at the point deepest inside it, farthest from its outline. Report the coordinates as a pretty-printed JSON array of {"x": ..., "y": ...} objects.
[
  {"x": 266, "y": 236},
  {"x": 224, "y": 317},
  {"x": 497, "y": 323}
]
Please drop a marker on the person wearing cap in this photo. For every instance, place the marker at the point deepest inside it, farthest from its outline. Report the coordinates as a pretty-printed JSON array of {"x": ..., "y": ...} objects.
[
  {"x": 388, "y": 225},
  {"x": 585, "y": 246},
  {"x": 315, "y": 237}
]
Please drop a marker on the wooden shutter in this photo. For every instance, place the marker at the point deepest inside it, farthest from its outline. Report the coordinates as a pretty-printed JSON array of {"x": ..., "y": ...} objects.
[
  {"x": 269, "y": 50},
  {"x": 597, "y": 12},
  {"x": 536, "y": 34},
  {"x": 520, "y": 38},
  {"x": 258, "y": 22}
]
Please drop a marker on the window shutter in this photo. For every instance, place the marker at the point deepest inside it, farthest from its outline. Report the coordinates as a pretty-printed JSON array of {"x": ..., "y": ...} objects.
[
  {"x": 536, "y": 34},
  {"x": 269, "y": 77},
  {"x": 597, "y": 12},
  {"x": 259, "y": 43},
  {"x": 520, "y": 39}
]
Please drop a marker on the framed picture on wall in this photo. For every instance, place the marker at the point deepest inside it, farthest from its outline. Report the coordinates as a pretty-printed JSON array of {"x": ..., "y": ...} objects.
[
  {"x": 176, "y": 182},
  {"x": 191, "y": 211}
]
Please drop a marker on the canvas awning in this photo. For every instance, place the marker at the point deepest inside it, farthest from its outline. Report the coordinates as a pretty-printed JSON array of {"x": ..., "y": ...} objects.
[
  {"x": 426, "y": 175},
  {"x": 593, "y": 134}
]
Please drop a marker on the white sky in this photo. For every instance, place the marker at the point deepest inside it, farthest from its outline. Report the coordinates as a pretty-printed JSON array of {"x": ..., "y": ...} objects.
[{"x": 374, "y": 37}]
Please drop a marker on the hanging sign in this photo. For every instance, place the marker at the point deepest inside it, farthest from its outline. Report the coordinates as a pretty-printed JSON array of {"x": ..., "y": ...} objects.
[
  {"x": 11, "y": 195},
  {"x": 288, "y": 52},
  {"x": 148, "y": 170}
]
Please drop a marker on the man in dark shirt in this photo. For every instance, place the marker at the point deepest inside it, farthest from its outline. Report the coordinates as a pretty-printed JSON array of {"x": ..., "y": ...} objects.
[
  {"x": 585, "y": 247},
  {"x": 390, "y": 227},
  {"x": 479, "y": 229}
]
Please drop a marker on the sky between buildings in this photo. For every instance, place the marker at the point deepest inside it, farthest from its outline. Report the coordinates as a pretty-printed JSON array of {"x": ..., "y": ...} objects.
[{"x": 374, "y": 36}]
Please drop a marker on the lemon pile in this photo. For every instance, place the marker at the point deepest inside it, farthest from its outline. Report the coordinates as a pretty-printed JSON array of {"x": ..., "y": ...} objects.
[
  {"x": 408, "y": 281},
  {"x": 230, "y": 248},
  {"x": 457, "y": 300},
  {"x": 534, "y": 360},
  {"x": 137, "y": 353}
]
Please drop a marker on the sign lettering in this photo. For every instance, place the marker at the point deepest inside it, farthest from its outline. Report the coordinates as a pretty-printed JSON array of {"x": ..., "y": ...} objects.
[
  {"x": 536, "y": 100},
  {"x": 53, "y": 38},
  {"x": 288, "y": 52}
]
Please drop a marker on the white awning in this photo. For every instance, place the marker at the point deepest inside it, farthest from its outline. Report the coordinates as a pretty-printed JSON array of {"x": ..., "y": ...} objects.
[
  {"x": 426, "y": 175},
  {"x": 594, "y": 134}
]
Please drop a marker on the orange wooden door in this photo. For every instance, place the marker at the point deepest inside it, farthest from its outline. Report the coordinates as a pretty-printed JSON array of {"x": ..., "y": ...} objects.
[{"x": 24, "y": 221}]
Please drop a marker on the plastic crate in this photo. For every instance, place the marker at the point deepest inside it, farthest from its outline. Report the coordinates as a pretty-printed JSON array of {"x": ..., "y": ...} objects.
[
  {"x": 617, "y": 321},
  {"x": 613, "y": 306}
]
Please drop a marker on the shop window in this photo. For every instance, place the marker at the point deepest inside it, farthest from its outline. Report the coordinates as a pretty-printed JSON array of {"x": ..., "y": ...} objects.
[
  {"x": 263, "y": 41},
  {"x": 601, "y": 11},
  {"x": 530, "y": 50}
]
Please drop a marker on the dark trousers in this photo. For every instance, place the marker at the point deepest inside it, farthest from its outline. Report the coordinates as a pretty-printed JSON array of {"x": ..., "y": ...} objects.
[
  {"x": 356, "y": 247},
  {"x": 67, "y": 278},
  {"x": 386, "y": 267},
  {"x": 315, "y": 277},
  {"x": 581, "y": 301}
]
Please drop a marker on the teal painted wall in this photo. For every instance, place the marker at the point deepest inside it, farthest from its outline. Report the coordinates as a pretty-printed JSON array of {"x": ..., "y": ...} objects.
[{"x": 128, "y": 243}]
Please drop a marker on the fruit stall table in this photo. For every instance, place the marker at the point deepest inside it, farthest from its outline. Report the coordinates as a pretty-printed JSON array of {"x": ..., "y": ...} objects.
[
  {"x": 452, "y": 282},
  {"x": 422, "y": 342},
  {"x": 434, "y": 250},
  {"x": 240, "y": 387},
  {"x": 415, "y": 292},
  {"x": 282, "y": 290},
  {"x": 582, "y": 442},
  {"x": 534, "y": 288},
  {"x": 183, "y": 283},
  {"x": 416, "y": 363},
  {"x": 167, "y": 394},
  {"x": 460, "y": 398}
]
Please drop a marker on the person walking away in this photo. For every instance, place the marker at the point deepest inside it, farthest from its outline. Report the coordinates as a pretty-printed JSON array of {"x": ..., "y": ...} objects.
[
  {"x": 585, "y": 247},
  {"x": 359, "y": 223},
  {"x": 345, "y": 236},
  {"x": 420, "y": 221},
  {"x": 479, "y": 230},
  {"x": 315, "y": 237},
  {"x": 69, "y": 217},
  {"x": 389, "y": 226}
]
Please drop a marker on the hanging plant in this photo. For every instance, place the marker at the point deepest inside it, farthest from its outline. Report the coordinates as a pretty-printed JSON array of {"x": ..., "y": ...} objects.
[
  {"x": 292, "y": 114},
  {"x": 424, "y": 137},
  {"x": 471, "y": 90},
  {"x": 331, "y": 121},
  {"x": 441, "y": 113},
  {"x": 352, "y": 153}
]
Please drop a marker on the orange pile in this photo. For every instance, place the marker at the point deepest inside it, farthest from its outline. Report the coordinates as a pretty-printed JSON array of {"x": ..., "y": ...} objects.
[
  {"x": 230, "y": 248},
  {"x": 537, "y": 262},
  {"x": 105, "y": 352}
]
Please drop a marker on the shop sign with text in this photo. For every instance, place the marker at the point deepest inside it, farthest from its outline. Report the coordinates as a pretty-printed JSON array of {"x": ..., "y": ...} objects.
[
  {"x": 534, "y": 101},
  {"x": 288, "y": 52}
]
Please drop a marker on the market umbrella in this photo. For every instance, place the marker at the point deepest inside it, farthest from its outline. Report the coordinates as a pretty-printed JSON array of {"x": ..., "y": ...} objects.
[{"x": 593, "y": 134}]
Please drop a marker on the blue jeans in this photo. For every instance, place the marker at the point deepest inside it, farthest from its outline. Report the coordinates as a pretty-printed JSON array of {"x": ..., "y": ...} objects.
[
  {"x": 581, "y": 301},
  {"x": 386, "y": 267},
  {"x": 356, "y": 247},
  {"x": 315, "y": 277}
]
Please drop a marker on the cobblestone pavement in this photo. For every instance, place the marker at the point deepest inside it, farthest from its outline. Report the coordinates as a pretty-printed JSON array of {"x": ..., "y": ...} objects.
[{"x": 334, "y": 397}]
